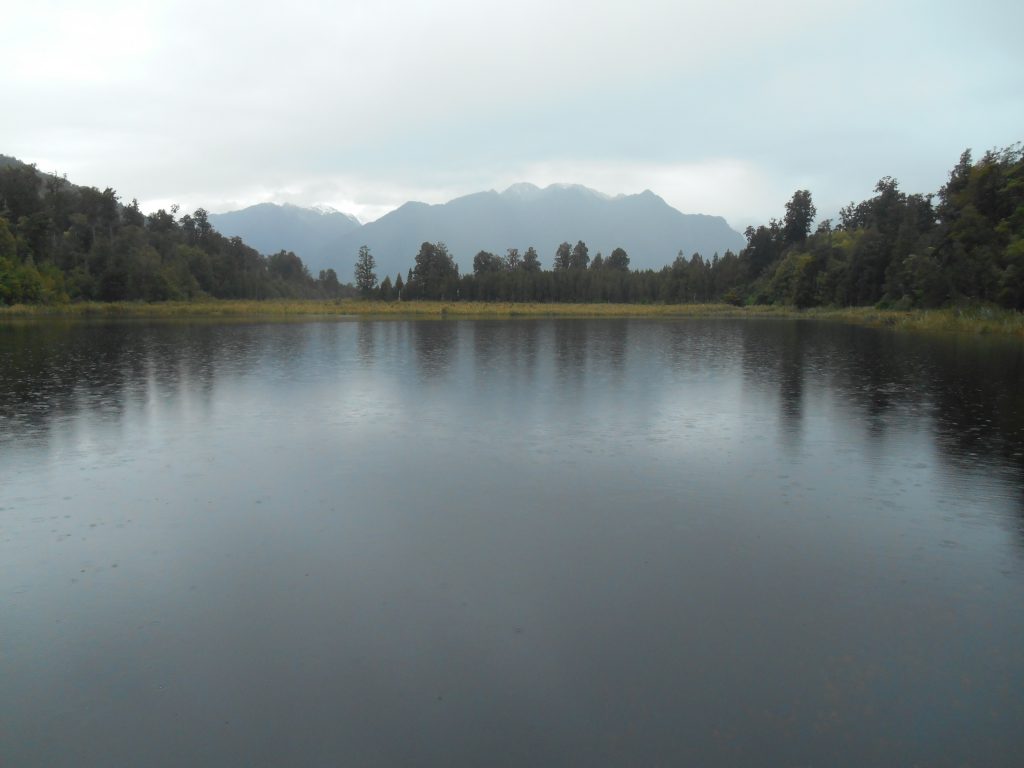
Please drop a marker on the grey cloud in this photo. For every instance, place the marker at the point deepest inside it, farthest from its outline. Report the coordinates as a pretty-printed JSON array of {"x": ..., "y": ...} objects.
[{"x": 371, "y": 105}]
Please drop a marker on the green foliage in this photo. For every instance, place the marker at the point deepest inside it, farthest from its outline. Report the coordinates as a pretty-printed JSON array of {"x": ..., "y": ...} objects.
[
  {"x": 901, "y": 250},
  {"x": 800, "y": 213},
  {"x": 328, "y": 283},
  {"x": 8, "y": 245},
  {"x": 531, "y": 261},
  {"x": 892, "y": 249},
  {"x": 619, "y": 260},
  {"x": 563, "y": 257},
  {"x": 61, "y": 242},
  {"x": 964, "y": 244},
  {"x": 580, "y": 258},
  {"x": 366, "y": 274},
  {"x": 763, "y": 246},
  {"x": 27, "y": 284},
  {"x": 485, "y": 262},
  {"x": 732, "y": 297},
  {"x": 513, "y": 260},
  {"x": 436, "y": 275},
  {"x": 792, "y": 281}
]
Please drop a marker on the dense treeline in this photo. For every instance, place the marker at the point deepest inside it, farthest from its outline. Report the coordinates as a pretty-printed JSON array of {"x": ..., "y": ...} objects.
[
  {"x": 62, "y": 242},
  {"x": 965, "y": 243}
]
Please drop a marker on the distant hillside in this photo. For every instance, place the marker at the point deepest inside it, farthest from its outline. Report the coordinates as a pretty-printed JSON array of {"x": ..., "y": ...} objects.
[
  {"x": 310, "y": 233},
  {"x": 6, "y": 161},
  {"x": 651, "y": 231},
  {"x": 61, "y": 242}
]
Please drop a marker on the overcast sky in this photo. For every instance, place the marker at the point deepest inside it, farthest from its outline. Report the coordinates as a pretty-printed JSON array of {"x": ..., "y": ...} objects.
[{"x": 719, "y": 107}]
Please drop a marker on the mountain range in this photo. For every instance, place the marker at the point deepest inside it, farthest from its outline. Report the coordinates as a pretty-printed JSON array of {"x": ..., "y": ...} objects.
[
  {"x": 312, "y": 233},
  {"x": 650, "y": 230}
]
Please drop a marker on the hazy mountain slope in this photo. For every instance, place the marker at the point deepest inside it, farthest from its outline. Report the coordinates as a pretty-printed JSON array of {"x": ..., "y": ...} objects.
[
  {"x": 650, "y": 230},
  {"x": 5, "y": 161},
  {"x": 312, "y": 234}
]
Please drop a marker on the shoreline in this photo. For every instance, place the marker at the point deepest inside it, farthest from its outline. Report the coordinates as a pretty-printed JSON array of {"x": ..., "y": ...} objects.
[{"x": 974, "y": 320}]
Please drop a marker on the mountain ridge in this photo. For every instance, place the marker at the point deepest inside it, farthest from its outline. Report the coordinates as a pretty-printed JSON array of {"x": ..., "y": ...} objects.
[
  {"x": 521, "y": 215},
  {"x": 272, "y": 227},
  {"x": 647, "y": 227}
]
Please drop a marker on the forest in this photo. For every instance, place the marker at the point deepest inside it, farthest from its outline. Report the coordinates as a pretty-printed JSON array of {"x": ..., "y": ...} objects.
[
  {"x": 60, "y": 242},
  {"x": 962, "y": 244}
]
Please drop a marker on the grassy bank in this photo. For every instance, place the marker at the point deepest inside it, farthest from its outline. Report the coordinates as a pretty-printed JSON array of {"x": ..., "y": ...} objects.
[
  {"x": 972, "y": 320},
  {"x": 437, "y": 309},
  {"x": 981, "y": 320}
]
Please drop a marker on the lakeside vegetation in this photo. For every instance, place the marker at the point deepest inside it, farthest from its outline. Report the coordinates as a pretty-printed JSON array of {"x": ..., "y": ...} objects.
[
  {"x": 962, "y": 246},
  {"x": 972, "y": 320}
]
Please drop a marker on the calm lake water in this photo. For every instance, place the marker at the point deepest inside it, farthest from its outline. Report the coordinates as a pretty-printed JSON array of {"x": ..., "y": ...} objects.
[{"x": 536, "y": 542}]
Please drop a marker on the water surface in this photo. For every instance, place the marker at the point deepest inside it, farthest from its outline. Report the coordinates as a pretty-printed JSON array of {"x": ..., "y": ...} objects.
[{"x": 509, "y": 542}]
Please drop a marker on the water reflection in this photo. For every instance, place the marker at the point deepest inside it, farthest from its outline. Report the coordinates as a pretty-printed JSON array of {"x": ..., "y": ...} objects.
[
  {"x": 367, "y": 353},
  {"x": 571, "y": 350},
  {"x": 791, "y": 384},
  {"x": 713, "y": 542},
  {"x": 434, "y": 343},
  {"x": 970, "y": 387}
]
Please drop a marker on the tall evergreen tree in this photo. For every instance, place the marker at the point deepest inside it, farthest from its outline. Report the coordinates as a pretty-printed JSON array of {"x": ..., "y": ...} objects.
[
  {"x": 436, "y": 274},
  {"x": 366, "y": 275},
  {"x": 531, "y": 261},
  {"x": 619, "y": 260},
  {"x": 800, "y": 213},
  {"x": 563, "y": 257},
  {"x": 579, "y": 259}
]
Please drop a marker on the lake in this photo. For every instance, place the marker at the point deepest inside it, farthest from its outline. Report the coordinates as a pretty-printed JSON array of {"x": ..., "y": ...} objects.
[{"x": 509, "y": 542}]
